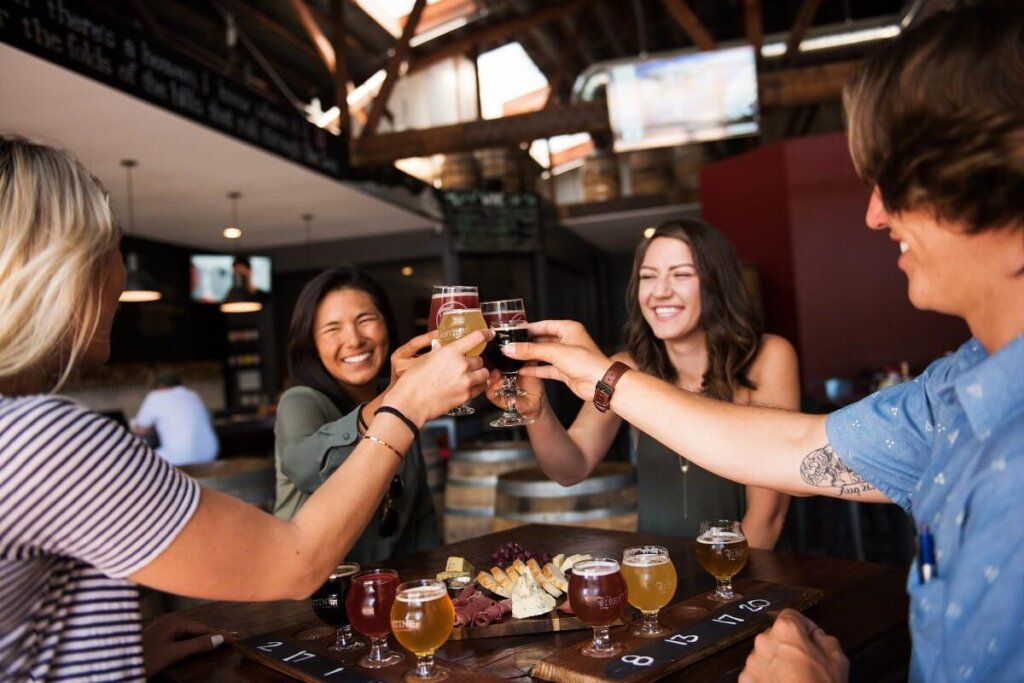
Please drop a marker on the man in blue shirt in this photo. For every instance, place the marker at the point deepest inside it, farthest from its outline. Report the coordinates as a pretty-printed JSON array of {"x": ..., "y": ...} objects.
[{"x": 936, "y": 127}]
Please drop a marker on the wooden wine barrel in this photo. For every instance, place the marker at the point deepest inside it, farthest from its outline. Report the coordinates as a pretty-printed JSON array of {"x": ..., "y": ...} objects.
[
  {"x": 600, "y": 177},
  {"x": 651, "y": 172},
  {"x": 607, "y": 499},
  {"x": 459, "y": 172},
  {"x": 251, "y": 479},
  {"x": 472, "y": 478},
  {"x": 500, "y": 169},
  {"x": 435, "y": 476}
]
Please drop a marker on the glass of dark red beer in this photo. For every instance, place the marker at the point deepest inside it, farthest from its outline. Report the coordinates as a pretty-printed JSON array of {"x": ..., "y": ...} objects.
[
  {"x": 329, "y": 604},
  {"x": 507, "y": 318},
  {"x": 369, "y": 604},
  {"x": 597, "y": 594},
  {"x": 450, "y": 298}
]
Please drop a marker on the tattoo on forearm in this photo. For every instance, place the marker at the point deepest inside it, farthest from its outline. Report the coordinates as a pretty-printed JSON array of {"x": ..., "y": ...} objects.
[{"x": 823, "y": 468}]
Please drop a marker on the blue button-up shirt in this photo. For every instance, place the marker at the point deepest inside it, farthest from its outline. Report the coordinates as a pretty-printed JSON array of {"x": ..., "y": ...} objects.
[{"x": 949, "y": 448}]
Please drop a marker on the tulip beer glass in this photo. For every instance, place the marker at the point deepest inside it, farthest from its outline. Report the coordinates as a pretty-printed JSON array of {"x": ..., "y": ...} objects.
[
  {"x": 597, "y": 594},
  {"x": 651, "y": 580},
  {"x": 422, "y": 619},
  {"x": 369, "y": 609},
  {"x": 456, "y": 324},
  {"x": 722, "y": 550},
  {"x": 450, "y": 298},
  {"x": 329, "y": 604},
  {"x": 508, "y": 320}
]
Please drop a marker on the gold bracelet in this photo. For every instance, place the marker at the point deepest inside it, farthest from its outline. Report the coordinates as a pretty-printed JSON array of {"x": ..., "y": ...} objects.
[{"x": 385, "y": 444}]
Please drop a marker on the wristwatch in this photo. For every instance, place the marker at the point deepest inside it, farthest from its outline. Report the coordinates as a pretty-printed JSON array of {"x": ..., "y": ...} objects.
[{"x": 606, "y": 385}]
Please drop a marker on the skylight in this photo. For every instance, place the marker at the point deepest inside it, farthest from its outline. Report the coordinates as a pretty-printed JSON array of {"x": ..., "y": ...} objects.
[{"x": 506, "y": 73}]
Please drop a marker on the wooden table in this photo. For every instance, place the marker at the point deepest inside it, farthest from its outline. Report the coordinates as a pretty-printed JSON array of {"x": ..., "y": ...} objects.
[{"x": 865, "y": 607}]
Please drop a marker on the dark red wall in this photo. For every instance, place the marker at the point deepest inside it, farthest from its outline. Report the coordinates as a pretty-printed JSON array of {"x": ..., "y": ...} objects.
[{"x": 796, "y": 210}]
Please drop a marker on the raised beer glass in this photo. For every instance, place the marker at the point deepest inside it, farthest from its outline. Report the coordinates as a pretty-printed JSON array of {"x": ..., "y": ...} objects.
[
  {"x": 449, "y": 298},
  {"x": 722, "y": 550},
  {"x": 597, "y": 594},
  {"x": 651, "y": 581},
  {"x": 422, "y": 619},
  {"x": 508, "y": 320},
  {"x": 369, "y": 609},
  {"x": 455, "y": 324},
  {"x": 329, "y": 604}
]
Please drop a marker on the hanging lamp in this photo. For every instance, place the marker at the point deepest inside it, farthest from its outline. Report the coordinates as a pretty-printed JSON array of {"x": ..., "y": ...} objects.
[
  {"x": 139, "y": 287},
  {"x": 240, "y": 298}
]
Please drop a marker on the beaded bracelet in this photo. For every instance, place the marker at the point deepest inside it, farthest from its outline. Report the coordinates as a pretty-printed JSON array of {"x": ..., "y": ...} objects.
[
  {"x": 382, "y": 442},
  {"x": 397, "y": 413}
]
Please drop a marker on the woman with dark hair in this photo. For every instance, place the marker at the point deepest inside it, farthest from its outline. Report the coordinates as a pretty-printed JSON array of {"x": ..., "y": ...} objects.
[
  {"x": 691, "y": 322},
  {"x": 338, "y": 346}
]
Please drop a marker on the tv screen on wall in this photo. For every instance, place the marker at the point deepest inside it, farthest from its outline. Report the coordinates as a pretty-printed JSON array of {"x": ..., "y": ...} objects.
[
  {"x": 213, "y": 274},
  {"x": 675, "y": 99}
]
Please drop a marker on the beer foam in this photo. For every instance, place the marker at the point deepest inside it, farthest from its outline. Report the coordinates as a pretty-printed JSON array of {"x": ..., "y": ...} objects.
[
  {"x": 713, "y": 537},
  {"x": 343, "y": 570},
  {"x": 595, "y": 567},
  {"x": 646, "y": 560},
  {"x": 419, "y": 594}
]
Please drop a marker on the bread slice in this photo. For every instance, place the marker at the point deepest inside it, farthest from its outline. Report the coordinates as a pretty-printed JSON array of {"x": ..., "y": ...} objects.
[
  {"x": 520, "y": 567},
  {"x": 555, "y": 576},
  {"x": 512, "y": 574},
  {"x": 502, "y": 578},
  {"x": 538, "y": 575},
  {"x": 488, "y": 582},
  {"x": 558, "y": 559},
  {"x": 568, "y": 563}
]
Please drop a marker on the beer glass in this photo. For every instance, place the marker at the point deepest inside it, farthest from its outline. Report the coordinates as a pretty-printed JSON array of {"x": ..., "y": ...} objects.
[
  {"x": 454, "y": 325},
  {"x": 422, "y": 619},
  {"x": 508, "y": 320},
  {"x": 597, "y": 594},
  {"x": 329, "y": 604},
  {"x": 369, "y": 609},
  {"x": 450, "y": 298},
  {"x": 722, "y": 550},
  {"x": 651, "y": 581}
]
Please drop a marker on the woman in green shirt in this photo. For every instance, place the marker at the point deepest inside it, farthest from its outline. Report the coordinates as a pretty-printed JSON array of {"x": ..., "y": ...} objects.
[{"x": 338, "y": 347}]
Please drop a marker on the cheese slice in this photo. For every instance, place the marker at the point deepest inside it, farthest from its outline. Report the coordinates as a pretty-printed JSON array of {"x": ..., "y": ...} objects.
[
  {"x": 459, "y": 564},
  {"x": 571, "y": 560},
  {"x": 529, "y": 599},
  {"x": 444, "y": 576}
]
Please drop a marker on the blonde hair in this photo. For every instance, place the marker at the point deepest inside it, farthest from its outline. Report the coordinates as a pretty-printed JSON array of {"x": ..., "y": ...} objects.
[{"x": 56, "y": 234}]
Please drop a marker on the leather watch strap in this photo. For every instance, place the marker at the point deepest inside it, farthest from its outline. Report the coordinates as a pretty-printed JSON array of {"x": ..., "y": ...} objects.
[{"x": 606, "y": 385}]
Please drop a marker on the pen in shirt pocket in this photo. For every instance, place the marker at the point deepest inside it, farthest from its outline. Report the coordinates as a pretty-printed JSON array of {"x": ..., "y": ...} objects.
[{"x": 926, "y": 567}]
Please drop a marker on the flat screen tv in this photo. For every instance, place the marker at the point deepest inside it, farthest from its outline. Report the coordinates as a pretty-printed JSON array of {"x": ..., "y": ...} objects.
[
  {"x": 675, "y": 99},
  {"x": 213, "y": 274}
]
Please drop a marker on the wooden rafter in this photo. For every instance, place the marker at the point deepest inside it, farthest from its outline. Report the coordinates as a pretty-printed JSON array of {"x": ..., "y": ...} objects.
[
  {"x": 610, "y": 34},
  {"x": 803, "y": 21},
  {"x": 807, "y": 85},
  {"x": 690, "y": 23},
  {"x": 562, "y": 67},
  {"x": 323, "y": 45},
  {"x": 497, "y": 32},
  {"x": 401, "y": 51},
  {"x": 753, "y": 25}
]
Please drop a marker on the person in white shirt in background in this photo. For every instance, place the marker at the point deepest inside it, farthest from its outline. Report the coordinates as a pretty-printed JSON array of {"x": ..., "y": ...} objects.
[{"x": 180, "y": 420}]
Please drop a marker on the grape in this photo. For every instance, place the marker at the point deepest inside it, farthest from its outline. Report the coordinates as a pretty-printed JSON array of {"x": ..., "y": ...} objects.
[{"x": 521, "y": 557}]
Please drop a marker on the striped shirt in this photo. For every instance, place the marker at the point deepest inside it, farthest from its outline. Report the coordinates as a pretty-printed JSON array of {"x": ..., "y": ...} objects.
[{"x": 83, "y": 504}]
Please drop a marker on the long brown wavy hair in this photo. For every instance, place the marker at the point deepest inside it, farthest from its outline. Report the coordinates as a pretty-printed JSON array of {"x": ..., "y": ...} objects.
[{"x": 730, "y": 319}]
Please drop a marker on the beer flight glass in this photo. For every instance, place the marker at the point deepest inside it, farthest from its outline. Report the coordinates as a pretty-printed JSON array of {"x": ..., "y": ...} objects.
[
  {"x": 421, "y": 619},
  {"x": 651, "y": 582},
  {"x": 449, "y": 298},
  {"x": 722, "y": 550},
  {"x": 455, "y": 324},
  {"x": 369, "y": 604},
  {"x": 329, "y": 604},
  {"x": 507, "y": 318},
  {"x": 597, "y": 594}
]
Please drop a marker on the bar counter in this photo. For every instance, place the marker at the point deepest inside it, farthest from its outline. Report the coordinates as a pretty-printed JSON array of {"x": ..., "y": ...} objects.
[{"x": 864, "y": 605}]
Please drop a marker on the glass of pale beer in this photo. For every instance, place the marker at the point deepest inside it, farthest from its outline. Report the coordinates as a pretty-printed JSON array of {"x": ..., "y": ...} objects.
[
  {"x": 597, "y": 594},
  {"x": 651, "y": 580},
  {"x": 422, "y": 618},
  {"x": 722, "y": 550},
  {"x": 456, "y": 324}
]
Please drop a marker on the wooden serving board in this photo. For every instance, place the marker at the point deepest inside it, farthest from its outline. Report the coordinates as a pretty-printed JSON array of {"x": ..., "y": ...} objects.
[
  {"x": 301, "y": 652},
  {"x": 699, "y": 627}
]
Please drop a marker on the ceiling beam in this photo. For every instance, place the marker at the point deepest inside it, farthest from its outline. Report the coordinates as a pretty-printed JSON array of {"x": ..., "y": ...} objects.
[
  {"x": 806, "y": 85},
  {"x": 562, "y": 67},
  {"x": 320, "y": 41},
  {"x": 611, "y": 35},
  {"x": 401, "y": 51},
  {"x": 690, "y": 23},
  {"x": 803, "y": 21},
  {"x": 496, "y": 32},
  {"x": 753, "y": 25}
]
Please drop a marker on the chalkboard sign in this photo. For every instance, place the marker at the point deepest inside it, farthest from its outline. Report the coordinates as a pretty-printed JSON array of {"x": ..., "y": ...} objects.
[
  {"x": 290, "y": 656},
  {"x": 493, "y": 222},
  {"x": 84, "y": 38}
]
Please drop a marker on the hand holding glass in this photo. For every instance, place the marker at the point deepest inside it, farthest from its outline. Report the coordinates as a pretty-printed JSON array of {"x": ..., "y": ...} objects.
[
  {"x": 456, "y": 324},
  {"x": 651, "y": 581},
  {"x": 508, "y": 320},
  {"x": 422, "y": 619},
  {"x": 722, "y": 550}
]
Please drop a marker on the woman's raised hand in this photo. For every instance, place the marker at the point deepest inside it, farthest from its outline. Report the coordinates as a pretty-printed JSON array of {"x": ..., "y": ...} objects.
[
  {"x": 440, "y": 380},
  {"x": 407, "y": 354},
  {"x": 529, "y": 405},
  {"x": 573, "y": 356}
]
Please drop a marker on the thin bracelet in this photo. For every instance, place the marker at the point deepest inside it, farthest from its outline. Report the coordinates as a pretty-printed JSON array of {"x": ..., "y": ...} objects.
[
  {"x": 398, "y": 413},
  {"x": 359, "y": 415},
  {"x": 382, "y": 442}
]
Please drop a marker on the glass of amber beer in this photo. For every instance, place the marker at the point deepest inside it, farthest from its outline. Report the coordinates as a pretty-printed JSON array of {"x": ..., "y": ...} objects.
[
  {"x": 597, "y": 594},
  {"x": 651, "y": 582},
  {"x": 456, "y": 324},
  {"x": 422, "y": 619},
  {"x": 722, "y": 550}
]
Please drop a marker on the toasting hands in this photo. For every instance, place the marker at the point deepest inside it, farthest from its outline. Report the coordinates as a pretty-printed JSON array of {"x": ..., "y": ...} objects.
[
  {"x": 574, "y": 358},
  {"x": 795, "y": 650}
]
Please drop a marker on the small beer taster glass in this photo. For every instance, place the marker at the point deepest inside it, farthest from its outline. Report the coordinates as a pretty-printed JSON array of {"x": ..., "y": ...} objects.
[
  {"x": 597, "y": 594},
  {"x": 422, "y": 619},
  {"x": 651, "y": 580},
  {"x": 722, "y": 550}
]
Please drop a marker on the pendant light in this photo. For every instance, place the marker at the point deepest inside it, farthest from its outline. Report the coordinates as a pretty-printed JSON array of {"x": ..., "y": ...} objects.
[
  {"x": 139, "y": 287},
  {"x": 240, "y": 298}
]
